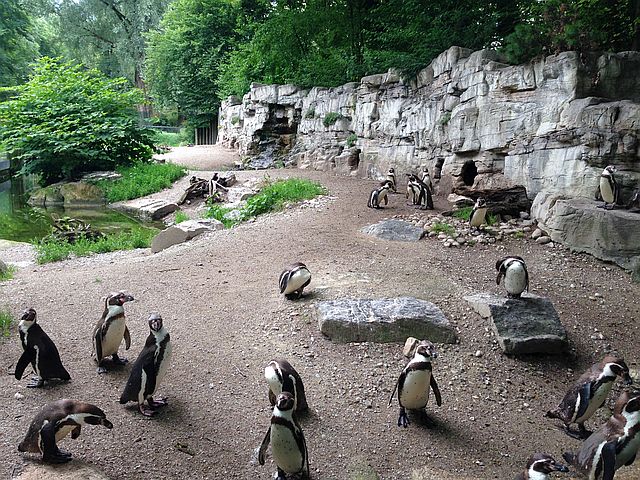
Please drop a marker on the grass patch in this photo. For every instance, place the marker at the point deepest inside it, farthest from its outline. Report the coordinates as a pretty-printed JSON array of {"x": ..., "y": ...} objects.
[
  {"x": 491, "y": 219},
  {"x": 169, "y": 139},
  {"x": 181, "y": 217},
  {"x": 53, "y": 251},
  {"x": 5, "y": 322},
  {"x": 463, "y": 214},
  {"x": 442, "y": 227},
  {"x": 330, "y": 118},
  {"x": 272, "y": 197},
  {"x": 8, "y": 274},
  {"x": 140, "y": 179}
]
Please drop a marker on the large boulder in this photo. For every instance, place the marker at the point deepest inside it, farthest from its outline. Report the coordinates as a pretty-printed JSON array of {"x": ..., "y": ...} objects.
[
  {"x": 72, "y": 194},
  {"x": 183, "y": 232},
  {"x": 383, "y": 320},
  {"x": 147, "y": 209},
  {"x": 525, "y": 325},
  {"x": 398, "y": 230}
]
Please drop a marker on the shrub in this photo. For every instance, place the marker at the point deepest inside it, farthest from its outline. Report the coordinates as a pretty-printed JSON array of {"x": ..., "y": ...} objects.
[
  {"x": 330, "y": 118},
  {"x": 67, "y": 120},
  {"x": 218, "y": 212},
  {"x": 170, "y": 139},
  {"x": 310, "y": 114},
  {"x": 351, "y": 140},
  {"x": 444, "y": 119}
]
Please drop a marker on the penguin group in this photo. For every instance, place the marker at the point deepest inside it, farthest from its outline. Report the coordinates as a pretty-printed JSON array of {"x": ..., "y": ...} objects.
[{"x": 419, "y": 190}]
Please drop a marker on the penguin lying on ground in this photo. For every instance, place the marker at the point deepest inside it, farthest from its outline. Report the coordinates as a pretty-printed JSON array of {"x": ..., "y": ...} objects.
[
  {"x": 415, "y": 382},
  {"x": 609, "y": 188},
  {"x": 614, "y": 445},
  {"x": 54, "y": 422},
  {"x": 391, "y": 178},
  {"x": 110, "y": 330},
  {"x": 293, "y": 280},
  {"x": 516, "y": 278},
  {"x": 378, "y": 195},
  {"x": 479, "y": 213},
  {"x": 589, "y": 393},
  {"x": 282, "y": 377},
  {"x": 39, "y": 351},
  {"x": 539, "y": 466},
  {"x": 288, "y": 445},
  {"x": 149, "y": 369}
]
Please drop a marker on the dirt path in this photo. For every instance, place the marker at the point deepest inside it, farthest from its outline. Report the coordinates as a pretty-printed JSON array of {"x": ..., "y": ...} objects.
[{"x": 218, "y": 296}]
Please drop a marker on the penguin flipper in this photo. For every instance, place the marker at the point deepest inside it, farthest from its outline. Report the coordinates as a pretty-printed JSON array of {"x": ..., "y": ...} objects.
[
  {"x": 127, "y": 338},
  {"x": 386, "y": 199},
  {"x": 499, "y": 277},
  {"x": 25, "y": 360},
  {"x": 584, "y": 395},
  {"x": 75, "y": 433},
  {"x": 262, "y": 450},
  {"x": 609, "y": 460},
  {"x": 97, "y": 343},
  {"x": 436, "y": 391},
  {"x": 631, "y": 460},
  {"x": 394, "y": 390}
]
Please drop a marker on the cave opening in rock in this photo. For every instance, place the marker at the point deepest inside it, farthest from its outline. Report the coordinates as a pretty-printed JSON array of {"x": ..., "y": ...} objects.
[
  {"x": 469, "y": 172},
  {"x": 437, "y": 170}
]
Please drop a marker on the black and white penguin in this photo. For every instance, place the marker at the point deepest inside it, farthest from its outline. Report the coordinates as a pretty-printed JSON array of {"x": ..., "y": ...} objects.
[
  {"x": 282, "y": 377},
  {"x": 609, "y": 187},
  {"x": 424, "y": 199},
  {"x": 589, "y": 393},
  {"x": 479, "y": 213},
  {"x": 149, "y": 369},
  {"x": 110, "y": 330},
  {"x": 39, "y": 351},
  {"x": 539, "y": 466},
  {"x": 391, "y": 178},
  {"x": 54, "y": 422},
  {"x": 288, "y": 446},
  {"x": 614, "y": 445},
  {"x": 516, "y": 278},
  {"x": 413, "y": 190},
  {"x": 426, "y": 179},
  {"x": 293, "y": 280},
  {"x": 378, "y": 195},
  {"x": 416, "y": 381}
]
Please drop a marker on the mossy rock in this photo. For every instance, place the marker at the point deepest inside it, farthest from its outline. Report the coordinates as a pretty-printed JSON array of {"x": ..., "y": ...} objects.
[{"x": 47, "y": 196}]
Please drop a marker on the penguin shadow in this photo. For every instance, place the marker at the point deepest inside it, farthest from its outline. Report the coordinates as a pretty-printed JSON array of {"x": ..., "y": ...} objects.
[
  {"x": 169, "y": 415},
  {"x": 428, "y": 421}
]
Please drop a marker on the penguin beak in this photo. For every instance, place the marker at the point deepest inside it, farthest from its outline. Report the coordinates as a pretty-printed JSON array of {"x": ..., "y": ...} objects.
[
  {"x": 627, "y": 379},
  {"x": 558, "y": 467}
]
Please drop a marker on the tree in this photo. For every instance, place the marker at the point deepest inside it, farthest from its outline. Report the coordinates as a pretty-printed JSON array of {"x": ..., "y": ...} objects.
[
  {"x": 67, "y": 120},
  {"x": 18, "y": 46}
]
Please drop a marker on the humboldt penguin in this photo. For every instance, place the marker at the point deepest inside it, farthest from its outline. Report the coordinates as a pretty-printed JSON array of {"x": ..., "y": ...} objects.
[
  {"x": 282, "y": 377},
  {"x": 426, "y": 179},
  {"x": 293, "y": 280},
  {"x": 539, "y": 466},
  {"x": 416, "y": 381},
  {"x": 149, "y": 369},
  {"x": 479, "y": 213},
  {"x": 110, "y": 330},
  {"x": 54, "y": 422},
  {"x": 377, "y": 195},
  {"x": 424, "y": 198},
  {"x": 288, "y": 445},
  {"x": 609, "y": 187},
  {"x": 391, "y": 178},
  {"x": 614, "y": 445},
  {"x": 589, "y": 393},
  {"x": 413, "y": 190},
  {"x": 39, "y": 351},
  {"x": 516, "y": 278}
]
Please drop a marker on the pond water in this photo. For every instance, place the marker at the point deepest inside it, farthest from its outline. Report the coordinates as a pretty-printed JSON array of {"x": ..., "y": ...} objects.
[{"x": 21, "y": 223}]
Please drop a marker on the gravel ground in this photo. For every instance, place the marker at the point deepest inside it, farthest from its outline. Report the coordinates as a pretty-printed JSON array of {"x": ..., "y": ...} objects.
[{"x": 219, "y": 298}]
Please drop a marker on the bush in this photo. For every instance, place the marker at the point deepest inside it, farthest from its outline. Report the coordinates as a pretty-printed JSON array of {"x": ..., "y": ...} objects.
[
  {"x": 67, "y": 120},
  {"x": 330, "y": 118},
  {"x": 170, "y": 139},
  {"x": 351, "y": 140}
]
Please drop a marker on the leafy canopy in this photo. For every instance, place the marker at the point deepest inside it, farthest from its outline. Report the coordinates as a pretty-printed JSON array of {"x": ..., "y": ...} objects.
[{"x": 67, "y": 120}]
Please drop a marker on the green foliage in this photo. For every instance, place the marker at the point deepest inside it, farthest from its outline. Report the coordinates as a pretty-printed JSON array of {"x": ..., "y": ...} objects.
[
  {"x": 443, "y": 227},
  {"x": 519, "y": 235},
  {"x": 139, "y": 180},
  {"x": 491, "y": 219},
  {"x": 331, "y": 118},
  {"x": 5, "y": 321},
  {"x": 351, "y": 140},
  {"x": 444, "y": 119},
  {"x": 53, "y": 251},
  {"x": 170, "y": 139},
  {"x": 181, "y": 217},
  {"x": 235, "y": 120},
  {"x": 463, "y": 213},
  {"x": 8, "y": 274},
  {"x": 218, "y": 212},
  {"x": 67, "y": 120},
  {"x": 310, "y": 114},
  {"x": 18, "y": 46}
]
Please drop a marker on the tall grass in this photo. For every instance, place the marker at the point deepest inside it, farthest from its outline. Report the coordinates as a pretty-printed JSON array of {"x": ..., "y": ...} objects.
[
  {"x": 5, "y": 321},
  {"x": 140, "y": 179},
  {"x": 181, "y": 217},
  {"x": 465, "y": 212},
  {"x": 7, "y": 274}
]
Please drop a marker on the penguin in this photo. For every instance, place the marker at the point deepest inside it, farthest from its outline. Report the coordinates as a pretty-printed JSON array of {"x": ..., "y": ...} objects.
[
  {"x": 426, "y": 178},
  {"x": 609, "y": 188},
  {"x": 378, "y": 195},
  {"x": 614, "y": 445},
  {"x": 424, "y": 199},
  {"x": 281, "y": 376},
  {"x": 39, "y": 351},
  {"x": 413, "y": 191},
  {"x": 149, "y": 369},
  {"x": 415, "y": 381},
  {"x": 539, "y": 466},
  {"x": 516, "y": 278},
  {"x": 110, "y": 330},
  {"x": 293, "y": 280},
  {"x": 478, "y": 214},
  {"x": 288, "y": 445},
  {"x": 54, "y": 422},
  {"x": 589, "y": 393},
  {"x": 391, "y": 178}
]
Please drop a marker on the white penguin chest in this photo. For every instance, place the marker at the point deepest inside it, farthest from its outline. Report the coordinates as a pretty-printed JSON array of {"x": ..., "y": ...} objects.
[
  {"x": 515, "y": 279},
  {"x": 284, "y": 447},
  {"x": 272, "y": 379},
  {"x": 478, "y": 217},
  {"x": 605, "y": 190},
  {"x": 297, "y": 280},
  {"x": 382, "y": 195},
  {"x": 415, "y": 391},
  {"x": 164, "y": 364},
  {"x": 113, "y": 338},
  {"x": 596, "y": 401}
]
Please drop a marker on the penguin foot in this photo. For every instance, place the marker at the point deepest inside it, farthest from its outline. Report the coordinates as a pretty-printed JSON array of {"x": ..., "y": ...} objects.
[
  {"x": 582, "y": 434},
  {"x": 100, "y": 370},
  {"x": 157, "y": 403},
  {"x": 58, "y": 457},
  {"x": 36, "y": 382},
  {"x": 280, "y": 475},
  {"x": 65, "y": 453},
  {"x": 403, "y": 418},
  {"x": 117, "y": 360},
  {"x": 147, "y": 412}
]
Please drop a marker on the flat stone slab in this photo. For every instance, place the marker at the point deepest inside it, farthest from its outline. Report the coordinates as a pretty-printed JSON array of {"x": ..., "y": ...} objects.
[
  {"x": 383, "y": 320},
  {"x": 183, "y": 232},
  {"x": 147, "y": 209},
  {"x": 526, "y": 325},
  {"x": 397, "y": 230}
]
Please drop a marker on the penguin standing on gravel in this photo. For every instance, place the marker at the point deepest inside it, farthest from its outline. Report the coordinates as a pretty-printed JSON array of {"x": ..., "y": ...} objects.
[
  {"x": 609, "y": 187},
  {"x": 39, "y": 351},
  {"x": 110, "y": 330},
  {"x": 479, "y": 213},
  {"x": 378, "y": 195},
  {"x": 415, "y": 382},
  {"x": 539, "y": 466},
  {"x": 293, "y": 279},
  {"x": 149, "y": 369},
  {"x": 426, "y": 179},
  {"x": 516, "y": 278},
  {"x": 424, "y": 198},
  {"x": 288, "y": 445},
  {"x": 54, "y": 422},
  {"x": 282, "y": 377},
  {"x": 614, "y": 445},
  {"x": 589, "y": 393},
  {"x": 391, "y": 178}
]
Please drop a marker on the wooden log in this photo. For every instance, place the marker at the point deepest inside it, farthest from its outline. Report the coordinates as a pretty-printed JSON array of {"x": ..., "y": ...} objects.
[{"x": 501, "y": 201}]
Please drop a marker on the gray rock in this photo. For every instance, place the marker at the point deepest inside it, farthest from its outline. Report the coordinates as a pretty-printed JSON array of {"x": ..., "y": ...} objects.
[
  {"x": 395, "y": 230},
  {"x": 526, "y": 325},
  {"x": 105, "y": 175},
  {"x": 227, "y": 178},
  {"x": 239, "y": 194},
  {"x": 146, "y": 208},
  {"x": 383, "y": 320},
  {"x": 72, "y": 194},
  {"x": 543, "y": 240},
  {"x": 183, "y": 232},
  {"x": 460, "y": 201},
  {"x": 410, "y": 346},
  {"x": 537, "y": 233}
]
